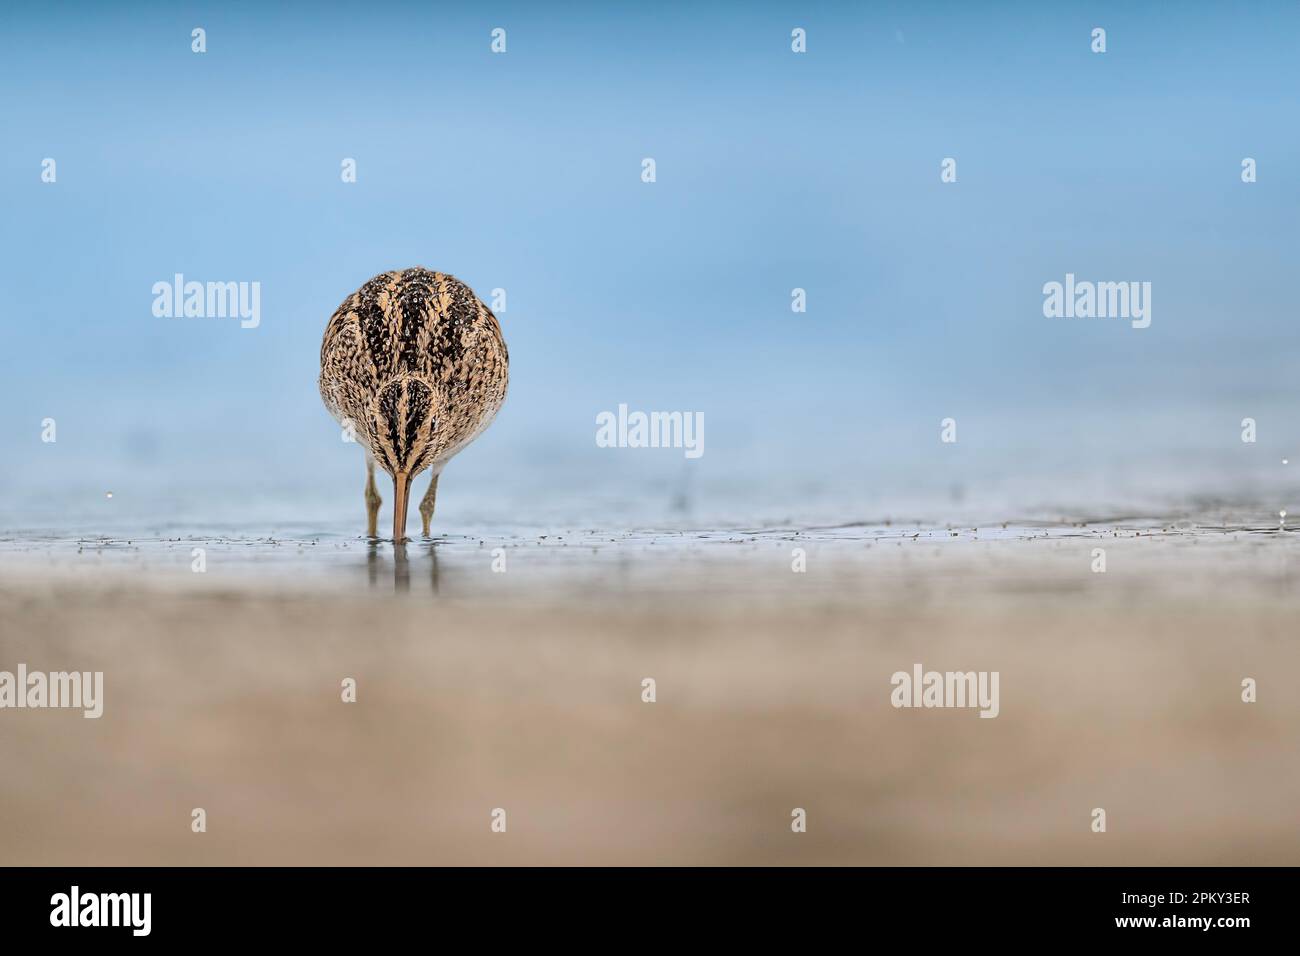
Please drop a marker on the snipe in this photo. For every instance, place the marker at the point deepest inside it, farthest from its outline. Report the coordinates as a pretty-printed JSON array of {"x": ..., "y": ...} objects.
[{"x": 416, "y": 366}]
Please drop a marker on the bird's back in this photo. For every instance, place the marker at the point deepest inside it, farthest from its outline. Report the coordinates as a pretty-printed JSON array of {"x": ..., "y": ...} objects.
[{"x": 417, "y": 363}]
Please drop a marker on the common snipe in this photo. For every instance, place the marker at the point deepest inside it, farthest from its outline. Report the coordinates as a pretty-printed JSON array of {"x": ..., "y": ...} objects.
[{"x": 415, "y": 365}]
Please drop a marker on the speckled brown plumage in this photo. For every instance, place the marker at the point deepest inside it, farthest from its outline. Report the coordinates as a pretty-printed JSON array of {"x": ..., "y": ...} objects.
[{"x": 418, "y": 365}]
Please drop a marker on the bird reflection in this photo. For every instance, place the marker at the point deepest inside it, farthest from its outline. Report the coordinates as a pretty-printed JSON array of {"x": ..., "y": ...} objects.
[{"x": 375, "y": 561}]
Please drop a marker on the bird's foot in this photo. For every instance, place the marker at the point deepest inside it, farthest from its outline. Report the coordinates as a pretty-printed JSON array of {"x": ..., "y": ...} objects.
[
  {"x": 426, "y": 504},
  {"x": 373, "y": 501}
]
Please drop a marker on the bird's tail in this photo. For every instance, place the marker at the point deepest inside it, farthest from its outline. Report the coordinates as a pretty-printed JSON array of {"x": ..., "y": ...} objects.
[{"x": 403, "y": 413}]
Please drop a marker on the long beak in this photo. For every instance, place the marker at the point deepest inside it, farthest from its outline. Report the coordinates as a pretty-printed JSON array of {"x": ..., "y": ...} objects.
[{"x": 401, "y": 495}]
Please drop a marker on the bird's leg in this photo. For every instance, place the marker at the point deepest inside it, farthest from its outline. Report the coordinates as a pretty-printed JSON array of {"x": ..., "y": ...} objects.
[
  {"x": 373, "y": 501},
  {"x": 426, "y": 505},
  {"x": 401, "y": 492}
]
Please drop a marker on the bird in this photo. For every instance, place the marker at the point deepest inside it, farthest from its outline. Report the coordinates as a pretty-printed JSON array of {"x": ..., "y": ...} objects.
[{"x": 414, "y": 367}]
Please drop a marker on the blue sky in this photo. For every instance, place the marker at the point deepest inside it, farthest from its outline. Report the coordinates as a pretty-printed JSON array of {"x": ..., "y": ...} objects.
[{"x": 775, "y": 170}]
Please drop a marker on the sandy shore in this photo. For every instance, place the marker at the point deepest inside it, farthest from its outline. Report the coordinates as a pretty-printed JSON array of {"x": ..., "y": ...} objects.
[{"x": 522, "y": 690}]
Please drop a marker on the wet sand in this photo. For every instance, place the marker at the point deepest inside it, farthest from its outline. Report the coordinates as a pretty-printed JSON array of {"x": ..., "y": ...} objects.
[{"x": 522, "y": 690}]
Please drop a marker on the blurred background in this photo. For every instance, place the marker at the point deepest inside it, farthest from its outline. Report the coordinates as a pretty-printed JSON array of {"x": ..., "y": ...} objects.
[{"x": 775, "y": 170}]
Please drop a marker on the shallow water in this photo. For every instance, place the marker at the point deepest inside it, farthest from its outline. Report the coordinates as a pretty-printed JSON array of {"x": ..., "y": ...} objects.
[{"x": 586, "y": 561}]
